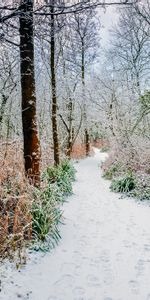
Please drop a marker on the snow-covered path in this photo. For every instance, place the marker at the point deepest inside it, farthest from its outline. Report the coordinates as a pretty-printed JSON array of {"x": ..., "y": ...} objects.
[{"x": 104, "y": 253}]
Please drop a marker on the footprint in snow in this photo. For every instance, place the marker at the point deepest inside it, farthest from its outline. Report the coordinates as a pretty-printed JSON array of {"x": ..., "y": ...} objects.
[
  {"x": 65, "y": 281},
  {"x": 78, "y": 291},
  {"x": 78, "y": 298},
  {"x": 140, "y": 267},
  {"x": 147, "y": 247},
  {"x": 93, "y": 280},
  {"x": 68, "y": 266},
  {"x": 134, "y": 285},
  {"x": 108, "y": 279}
]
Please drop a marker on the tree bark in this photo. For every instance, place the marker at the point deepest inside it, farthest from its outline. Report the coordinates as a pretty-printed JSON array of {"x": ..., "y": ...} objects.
[
  {"x": 87, "y": 137},
  {"x": 2, "y": 110},
  {"x": 53, "y": 88},
  {"x": 70, "y": 120},
  {"x": 87, "y": 143},
  {"x": 29, "y": 122}
]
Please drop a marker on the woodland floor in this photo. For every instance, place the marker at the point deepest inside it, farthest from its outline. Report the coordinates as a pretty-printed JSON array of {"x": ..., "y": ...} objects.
[{"x": 104, "y": 253}]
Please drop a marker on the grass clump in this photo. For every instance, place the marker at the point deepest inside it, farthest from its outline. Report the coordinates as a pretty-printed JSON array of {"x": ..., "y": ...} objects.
[
  {"x": 46, "y": 215},
  {"x": 46, "y": 212},
  {"x": 62, "y": 176},
  {"x": 123, "y": 185}
]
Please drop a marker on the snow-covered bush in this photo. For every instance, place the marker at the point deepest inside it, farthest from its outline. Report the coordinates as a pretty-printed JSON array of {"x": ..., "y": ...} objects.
[
  {"x": 46, "y": 212},
  {"x": 112, "y": 171},
  {"x": 62, "y": 175},
  {"x": 32, "y": 215},
  {"x": 142, "y": 189},
  {"x": 46, "y": 215},
  {"x": 123, "y": 185}
]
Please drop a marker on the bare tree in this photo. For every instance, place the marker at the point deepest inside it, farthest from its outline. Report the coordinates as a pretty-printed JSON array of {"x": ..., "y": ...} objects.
[
  {"x": 84, "y": 42},
  {"x": 143, "y": 10},
  {"x": 8, "y": 80},
  {"x": 131, "y": 43}
]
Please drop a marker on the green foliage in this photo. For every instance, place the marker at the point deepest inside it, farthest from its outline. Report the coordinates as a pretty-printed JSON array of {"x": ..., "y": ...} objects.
[
  {"x": 62, "y": 175},
  {"x": 124, "y": 184},
  {"x": 46, "y": 216},
  {"x": 111, "y": 171},
  {"x": 68, "y": 168},
  {"x": 136, "y": 185},
  {"x": 46, "y": 213}
]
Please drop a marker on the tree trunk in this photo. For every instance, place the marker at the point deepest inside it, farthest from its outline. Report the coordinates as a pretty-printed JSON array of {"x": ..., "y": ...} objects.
[
  {"x": 87, "y": 138},
  {"x": 53, "y": 88},
  {"x": 87, "y": 143},
  {"x": 30, "y": 132},
  {"x": 70, "y": 120},
  {"x": 2, "y": 110},
  {"x": 69, "y": 146}
]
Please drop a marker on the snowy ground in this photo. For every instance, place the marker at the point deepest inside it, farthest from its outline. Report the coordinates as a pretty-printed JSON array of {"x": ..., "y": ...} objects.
[{"x": 104, "y": 253}]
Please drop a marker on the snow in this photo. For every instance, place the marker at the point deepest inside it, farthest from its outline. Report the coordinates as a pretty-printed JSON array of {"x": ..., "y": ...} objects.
[{"x": 104, "y": 253}]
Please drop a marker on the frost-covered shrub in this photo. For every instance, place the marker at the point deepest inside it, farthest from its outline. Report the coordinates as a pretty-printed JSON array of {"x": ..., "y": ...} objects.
[
  {"x": 46, "y": 213},
  {"x": 142, "y": 189},
  {"x": 68, "y": 168},
  {"x": 110, "y": 172},
  {"x": 62, "y": 175},
  {"x": 129, "y": 157},
  {"x": 124, "y": 184}
]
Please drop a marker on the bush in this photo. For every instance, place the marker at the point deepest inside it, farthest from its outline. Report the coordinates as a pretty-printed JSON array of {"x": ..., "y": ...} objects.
[
  {"x": 111, "y": 171},
  {"x": 46, "y": 213},
  {"x": 15, "y": 217},
  {"x": 68, "y": 168},
  {"x": 46, "y": 216},
  {"x": 29, "y": 214},
  {"x": 124, "y": 184},
  {"x": 62, "y": 175},
  {"x": 142, "y": 189}
]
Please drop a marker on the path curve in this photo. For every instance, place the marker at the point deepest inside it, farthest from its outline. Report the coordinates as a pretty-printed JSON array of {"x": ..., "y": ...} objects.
[{"x": 104, "y": 253}]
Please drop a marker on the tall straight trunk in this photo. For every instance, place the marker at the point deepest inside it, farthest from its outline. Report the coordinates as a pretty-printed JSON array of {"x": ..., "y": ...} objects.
[
  {"x": 30, "y": 132},
  {"x": 87, "y": 138},
  {"x": 70, "y": 128},
  {"x": 2, "y": 110},
  {"x": 53, "y": 88}
]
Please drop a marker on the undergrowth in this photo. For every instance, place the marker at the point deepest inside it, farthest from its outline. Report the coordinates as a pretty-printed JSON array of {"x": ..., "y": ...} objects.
[
  {"x": 124, "y": 184},
  {"x": 125, "y": 180},
  {"x": 46, "y": 212},
  {"x": 142, "y": 189},
  {"x": 112, "y": 171},
  {"x": 30, "y": 216}
]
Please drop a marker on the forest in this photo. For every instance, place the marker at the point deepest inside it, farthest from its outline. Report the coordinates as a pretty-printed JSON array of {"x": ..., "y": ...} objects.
[{"x": 75, "y": 148}]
